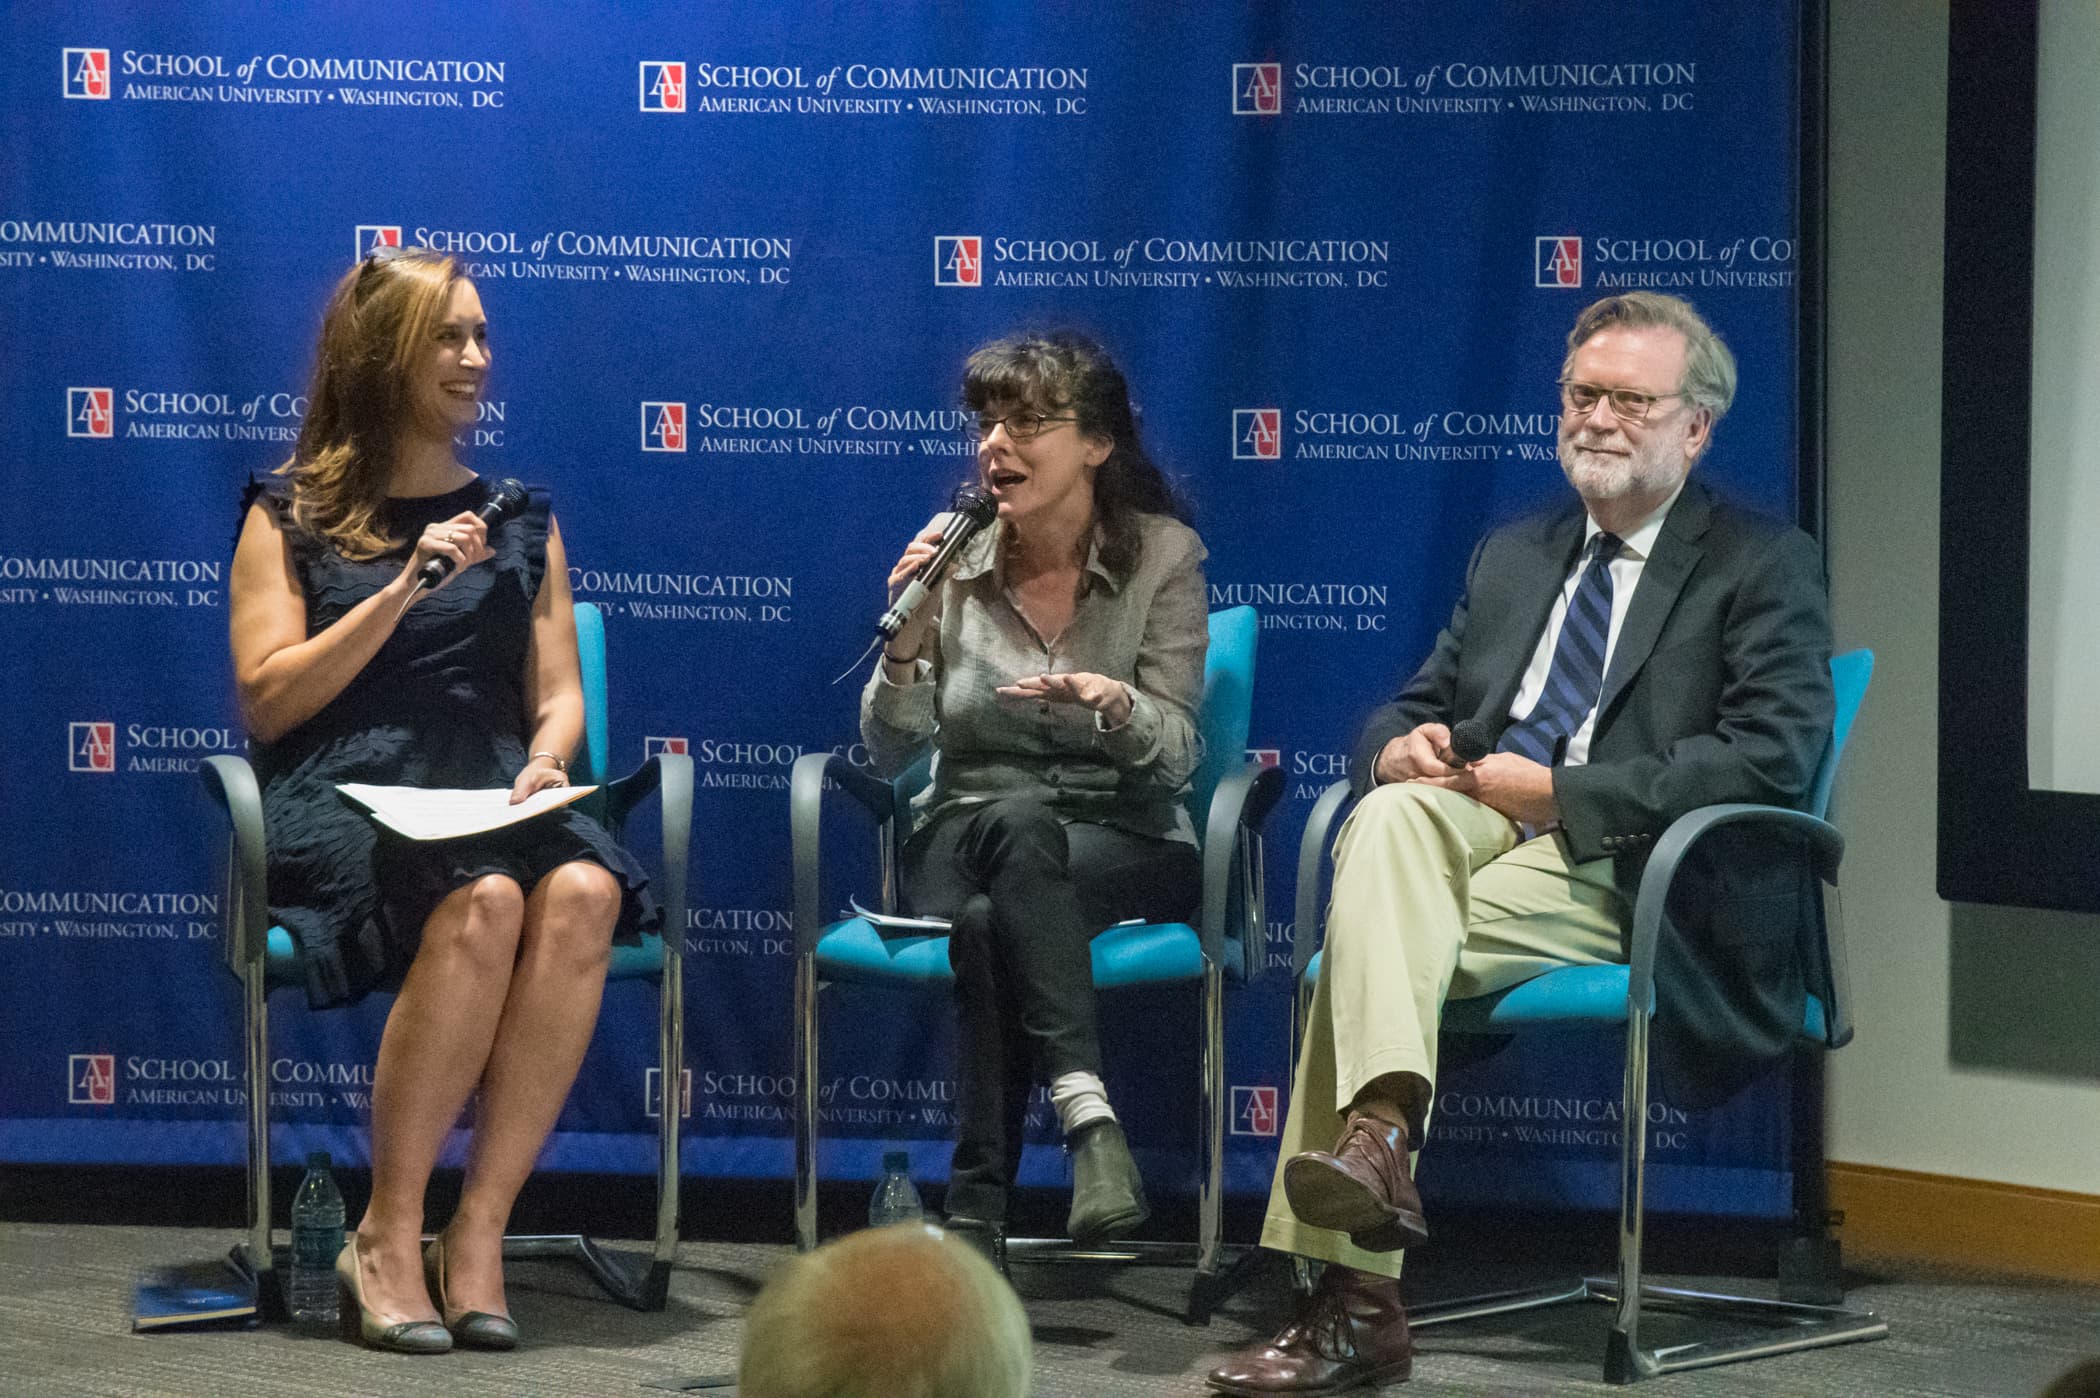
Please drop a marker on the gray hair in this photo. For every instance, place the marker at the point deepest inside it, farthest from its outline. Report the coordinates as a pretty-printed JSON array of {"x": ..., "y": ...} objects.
[
  {"x": 900, "y": 1312},
  {"x": 1709, "y": 365}
]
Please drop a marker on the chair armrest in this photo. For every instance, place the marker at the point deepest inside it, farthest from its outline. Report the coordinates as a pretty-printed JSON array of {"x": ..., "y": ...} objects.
[
  {"x": 1241, "y": 802},
  {"x": 805, "y": 819},
  {"x": 669, "y": 774},
  {"x": 623, "y": 794},
  {"x": 1264, "y": 797},
  {"x": 231, "y": 782},
  {"x": 1826, "y": 849},
  {"x": 1312, "y": 854}
]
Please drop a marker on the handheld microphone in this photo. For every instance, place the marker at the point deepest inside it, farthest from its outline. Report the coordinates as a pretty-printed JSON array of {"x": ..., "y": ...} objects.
[
  {"x": 508, "y": 499},
  {"x": 1469, "y": 741},
  {"x": 973, "y": 510}
]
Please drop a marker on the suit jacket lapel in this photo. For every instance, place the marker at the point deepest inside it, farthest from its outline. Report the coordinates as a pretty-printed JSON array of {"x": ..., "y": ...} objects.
[
  {"x": 1533, "y": 591},
  {"x": 1677, "y": 552}
]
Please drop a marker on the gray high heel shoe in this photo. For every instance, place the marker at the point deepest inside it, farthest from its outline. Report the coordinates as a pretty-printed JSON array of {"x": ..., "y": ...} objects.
[
  {"x": 358, "y": 1323},
  {"x": 470, "y": 1329}
]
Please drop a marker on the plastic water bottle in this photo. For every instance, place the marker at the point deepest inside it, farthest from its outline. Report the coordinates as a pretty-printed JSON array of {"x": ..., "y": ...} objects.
[
  {"x": 317, "y": 1236},
  {"x": 895, "y": 1201}
]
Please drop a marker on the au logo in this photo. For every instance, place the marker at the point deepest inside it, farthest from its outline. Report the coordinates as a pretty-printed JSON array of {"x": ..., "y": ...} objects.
[
  {"x": 1257, "y": 434},
  {"x": 958, "y": 261},
  {"x": 1558, "y": 262},
  {"x": 377, "y": 235},
  {"x": 91, "y": 412},
  {"x": 663, "y": 87},
  {"x": 652, "y": 746},
  {"x": 663, "y": 427},
  {"x": 91, "y": 1079},
  {"x": 87, "y": 74},
  {"x": 91, "y": 747},
  {"x": 1254, "y": 1111},
  {"x": 653, "y": 1097},
  {"x": 1257, "y": 89},
  {"x": 1267, "y": 757}
]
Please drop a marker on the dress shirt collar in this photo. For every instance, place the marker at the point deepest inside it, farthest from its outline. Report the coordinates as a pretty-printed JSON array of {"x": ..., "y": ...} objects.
[
  {"x": 1639, "y": 541},
  {"x": 985, "y": 552}
]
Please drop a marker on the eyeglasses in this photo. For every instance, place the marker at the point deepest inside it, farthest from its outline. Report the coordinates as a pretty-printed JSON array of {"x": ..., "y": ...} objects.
[
  {"x": 1627, "y": 404},
  {"x": 1021, "y": 425}
]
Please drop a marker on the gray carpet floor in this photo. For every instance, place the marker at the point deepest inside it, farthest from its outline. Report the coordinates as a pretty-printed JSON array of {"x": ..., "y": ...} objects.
[{"x": 65, "y": 1298}]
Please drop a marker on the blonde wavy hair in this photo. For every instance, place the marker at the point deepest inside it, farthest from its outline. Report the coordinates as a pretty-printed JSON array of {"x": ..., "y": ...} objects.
[
  {"x": 901, "y": 1312},
  {"x": 379, "y": 318}
]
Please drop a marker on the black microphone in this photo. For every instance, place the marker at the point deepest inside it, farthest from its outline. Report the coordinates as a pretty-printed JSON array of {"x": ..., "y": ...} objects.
[
  {"x": 973, "y": 510},
  {"x": 1469, "y": 741},
  {"x": 508, "y": 499}
]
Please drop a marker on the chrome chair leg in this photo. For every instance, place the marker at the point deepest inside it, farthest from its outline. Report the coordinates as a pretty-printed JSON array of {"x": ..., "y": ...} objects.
[
  {"x": 806, "y": 1101},
  {"x": 676, "y": 796},
  {"x": 1210, "y": 1199},
  {"x": 1623, "y": 1346},
  {"x": 1497, "y": 1303},
  {"x": 671, "y": 1124},
  {"x": 257, "y": 1256},
  {"x": 1207, "y": 1288},
  {"x": 1784, "y": 1326}
]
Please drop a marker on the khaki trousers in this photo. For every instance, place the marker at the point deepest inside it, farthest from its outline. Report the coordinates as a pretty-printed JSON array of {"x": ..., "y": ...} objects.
[{"x": 1435, "y": 897}]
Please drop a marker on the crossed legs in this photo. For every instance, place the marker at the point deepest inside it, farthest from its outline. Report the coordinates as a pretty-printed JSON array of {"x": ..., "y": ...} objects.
[
  {"x": 1434, "y": 896},
  {"x": 1028, "y": 892},
  {"x": 503, "y": 993}
]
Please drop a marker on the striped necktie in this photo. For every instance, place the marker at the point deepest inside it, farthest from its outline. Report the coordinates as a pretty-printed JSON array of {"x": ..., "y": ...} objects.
[{"x": 1576, "y": 676}]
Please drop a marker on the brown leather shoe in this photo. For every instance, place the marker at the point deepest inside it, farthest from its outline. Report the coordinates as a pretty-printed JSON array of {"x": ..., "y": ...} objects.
[
  {"x": 1350, "y": 1333},
  {"x": 1362, "y": 1189}
]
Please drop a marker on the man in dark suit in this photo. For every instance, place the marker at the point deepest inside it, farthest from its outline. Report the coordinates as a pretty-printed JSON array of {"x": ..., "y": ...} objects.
[{"x": 1648, "y": 651}]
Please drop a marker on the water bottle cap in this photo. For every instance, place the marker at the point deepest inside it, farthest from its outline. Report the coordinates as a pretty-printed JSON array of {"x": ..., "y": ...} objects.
[
  {"x": 318, "y": 1160},
  {"x": 896, "y": 1161}
]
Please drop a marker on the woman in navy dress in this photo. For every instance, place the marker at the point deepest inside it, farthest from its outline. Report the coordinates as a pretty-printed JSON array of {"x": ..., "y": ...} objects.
[{"x": 495, "y": 945}]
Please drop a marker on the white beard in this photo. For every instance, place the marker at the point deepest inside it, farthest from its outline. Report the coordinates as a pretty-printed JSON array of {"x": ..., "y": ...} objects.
[{"x": 1647, "y": 470}]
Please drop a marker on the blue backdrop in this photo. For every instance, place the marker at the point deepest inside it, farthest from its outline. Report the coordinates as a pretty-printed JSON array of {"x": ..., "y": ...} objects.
[{"x": 732, "y": 259}]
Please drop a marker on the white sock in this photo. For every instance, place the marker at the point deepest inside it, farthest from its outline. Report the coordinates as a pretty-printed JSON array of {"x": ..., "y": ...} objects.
[{"x": 1080, "y": 1100}]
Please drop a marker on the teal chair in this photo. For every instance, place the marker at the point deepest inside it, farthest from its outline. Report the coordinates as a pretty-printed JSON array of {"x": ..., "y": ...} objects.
[
  {"x": 1229, "y": 799},
  {"x": 263, "y": 958},
  {"x": 1624, "y": 997}
]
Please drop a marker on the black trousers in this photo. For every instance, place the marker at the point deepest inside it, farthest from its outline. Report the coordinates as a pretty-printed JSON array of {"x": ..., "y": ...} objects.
[{"x": 1027, "y": 893}]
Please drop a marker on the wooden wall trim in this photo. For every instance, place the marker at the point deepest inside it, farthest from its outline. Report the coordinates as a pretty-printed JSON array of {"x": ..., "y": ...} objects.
[{"x": 1903, "y": 1214}]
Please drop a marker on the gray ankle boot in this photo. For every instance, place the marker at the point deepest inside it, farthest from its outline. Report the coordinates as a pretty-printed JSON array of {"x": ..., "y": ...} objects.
[{"x": 1108, "y": 1198}]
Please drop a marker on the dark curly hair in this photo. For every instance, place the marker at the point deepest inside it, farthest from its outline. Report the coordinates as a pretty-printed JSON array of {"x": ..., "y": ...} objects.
[{"x": 1063, "y": 371}]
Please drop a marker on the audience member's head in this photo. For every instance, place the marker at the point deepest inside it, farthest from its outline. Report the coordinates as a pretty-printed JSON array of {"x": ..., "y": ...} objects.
[
  {"x": 2081, "y": 1380},
  {"x": 901, "y": 1312}
]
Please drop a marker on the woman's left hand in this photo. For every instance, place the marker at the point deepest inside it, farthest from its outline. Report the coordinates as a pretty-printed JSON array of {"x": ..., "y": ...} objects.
[
  {"x": 537, "y": 775},
  {"x": 1106, "y": 697}
]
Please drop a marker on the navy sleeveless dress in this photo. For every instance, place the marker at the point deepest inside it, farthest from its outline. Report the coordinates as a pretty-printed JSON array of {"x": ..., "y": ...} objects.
[{"x": 441, "y": 705}]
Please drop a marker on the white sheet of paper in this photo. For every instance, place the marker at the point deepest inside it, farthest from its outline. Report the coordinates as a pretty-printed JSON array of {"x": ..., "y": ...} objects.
[
  {"x": 422, "y": 813},
  {"x": 894, "y": 922}
]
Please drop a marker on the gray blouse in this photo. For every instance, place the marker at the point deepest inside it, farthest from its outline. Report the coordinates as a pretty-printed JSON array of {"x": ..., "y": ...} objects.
[{"x": 1150, "y": 630}]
